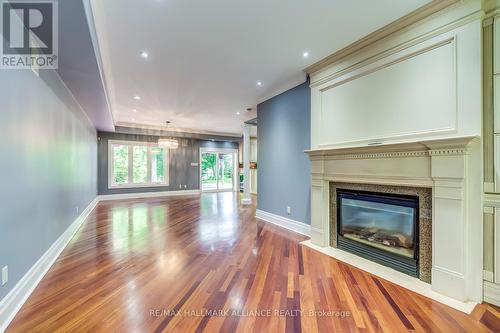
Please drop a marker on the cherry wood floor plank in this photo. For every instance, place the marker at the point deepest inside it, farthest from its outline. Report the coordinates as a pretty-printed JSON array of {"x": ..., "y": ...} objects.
[{"x": 206, "y": 264}]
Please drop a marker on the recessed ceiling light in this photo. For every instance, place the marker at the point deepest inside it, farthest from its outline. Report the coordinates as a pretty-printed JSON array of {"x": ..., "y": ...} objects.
[
  {"x": 134, "y": 110},
  {"x": 137, "y": 98},
  {"x": 238, "y": 113},
  {"x": 259, "y": 83},
  {"x": 144, "y": 54},
  {"x": 305, "y": 54}
]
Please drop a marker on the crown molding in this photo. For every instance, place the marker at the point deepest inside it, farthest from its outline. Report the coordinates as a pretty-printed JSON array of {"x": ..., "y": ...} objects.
[
  {"x": 401, "y": 23},
  {"x": 192, "y": 134},
  {"x": 89, "y": 14}
]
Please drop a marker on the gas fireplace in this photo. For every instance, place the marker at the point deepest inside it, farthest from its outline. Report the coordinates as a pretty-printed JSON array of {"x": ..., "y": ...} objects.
[{"x": 380, "y": 227}]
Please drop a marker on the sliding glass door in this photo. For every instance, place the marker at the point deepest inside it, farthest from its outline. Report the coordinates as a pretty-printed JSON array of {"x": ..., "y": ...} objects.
[
  {"x": 209, "y": 171},
  {"x": 218, "y": 169},
  {"x": 226, "y": 171}
]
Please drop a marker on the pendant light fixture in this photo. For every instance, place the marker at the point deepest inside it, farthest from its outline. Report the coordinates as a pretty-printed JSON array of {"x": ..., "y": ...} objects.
[{"x": 168, "y": 143}]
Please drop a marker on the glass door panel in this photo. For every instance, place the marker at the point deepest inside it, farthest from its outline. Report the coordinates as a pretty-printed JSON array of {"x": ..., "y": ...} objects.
[
  {"x": 225, "y": 171},
  {"x": 208, "y": 171}
]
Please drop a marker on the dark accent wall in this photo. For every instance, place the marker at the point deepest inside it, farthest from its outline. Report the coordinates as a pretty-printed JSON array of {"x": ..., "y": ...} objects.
[
  {"x": 182, "y": 176},
  {"x": 284, "y": 172}
]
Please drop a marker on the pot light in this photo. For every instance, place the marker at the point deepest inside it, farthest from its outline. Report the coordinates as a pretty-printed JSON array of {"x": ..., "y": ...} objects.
[
  {"x": 134, "y": 110},
  {"x": 259, "y": 83},
  {"x": 137, "y": 98},
  {"x": 305, "y": 54},
  {"x": 144, "y": 54},
  {"x": 238, "y": 113}
]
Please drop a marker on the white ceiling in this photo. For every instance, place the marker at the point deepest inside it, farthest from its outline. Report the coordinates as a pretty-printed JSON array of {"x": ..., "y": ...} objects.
[{"x": 205, "y": 57}]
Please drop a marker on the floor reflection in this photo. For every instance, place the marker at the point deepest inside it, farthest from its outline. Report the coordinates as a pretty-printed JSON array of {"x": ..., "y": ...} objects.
[
  {"x": 219, "y": 223},
  {"x": 176, "y": 253}
]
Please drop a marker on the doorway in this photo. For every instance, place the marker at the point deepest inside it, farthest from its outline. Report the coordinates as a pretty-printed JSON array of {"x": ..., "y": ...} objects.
[{"x": 218, "y": 169}]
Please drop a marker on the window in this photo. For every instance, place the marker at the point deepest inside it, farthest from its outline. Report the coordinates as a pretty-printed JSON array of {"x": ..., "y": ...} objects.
[
  {"x": 140, "y": 164},
  {"x": 137, "y": 164},
  {"x": 120, "y": 164}
]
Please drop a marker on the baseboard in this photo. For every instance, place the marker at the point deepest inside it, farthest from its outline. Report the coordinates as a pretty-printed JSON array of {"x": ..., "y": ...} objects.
[
  {"x": 491, "y": 293},
  {"x": 106, "y": 197},
  {"x": 298, "y": 227},
  {"x": 14, "y": 300}
]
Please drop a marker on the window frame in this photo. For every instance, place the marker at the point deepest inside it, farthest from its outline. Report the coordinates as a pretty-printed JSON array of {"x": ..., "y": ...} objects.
[{"x": 130, "y": 146}]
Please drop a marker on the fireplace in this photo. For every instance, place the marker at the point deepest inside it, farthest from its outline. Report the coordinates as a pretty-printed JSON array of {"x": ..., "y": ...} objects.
[
  {"x": 382, "y": 227},
  {"x": 443, "y": 174}
]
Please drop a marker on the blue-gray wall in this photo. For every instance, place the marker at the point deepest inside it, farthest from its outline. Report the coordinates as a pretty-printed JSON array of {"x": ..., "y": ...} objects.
[
  {"x": 182, "y": 176},
  {"x": 48, "y": 168},
  {"x": 284, "y": 128}
]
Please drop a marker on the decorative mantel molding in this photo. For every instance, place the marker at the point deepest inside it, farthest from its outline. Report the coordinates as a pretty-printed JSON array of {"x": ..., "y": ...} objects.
[
  {"x": 448, "y": 166},
  {"x": 400, "y": 154},
  {"x": 452, "y": 146}
]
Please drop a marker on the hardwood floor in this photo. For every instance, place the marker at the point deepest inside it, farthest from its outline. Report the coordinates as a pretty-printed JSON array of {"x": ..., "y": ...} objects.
[{"x": 191, "y": 264}]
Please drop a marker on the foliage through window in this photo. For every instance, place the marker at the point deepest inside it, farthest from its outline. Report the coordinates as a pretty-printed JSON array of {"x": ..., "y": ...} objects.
[{"x": 136, "y": 164}]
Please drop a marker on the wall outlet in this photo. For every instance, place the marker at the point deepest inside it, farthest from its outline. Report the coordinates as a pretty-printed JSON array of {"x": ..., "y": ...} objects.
[
  {"x": 5, "y": 275},
  {"x": 288, "y": 210}
]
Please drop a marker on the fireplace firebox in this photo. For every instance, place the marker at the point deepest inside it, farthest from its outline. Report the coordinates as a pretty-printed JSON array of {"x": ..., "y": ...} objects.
[{"x": 380, "y": 227}]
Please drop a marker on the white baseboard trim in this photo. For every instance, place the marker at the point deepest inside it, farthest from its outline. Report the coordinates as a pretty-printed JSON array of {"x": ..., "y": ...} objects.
[
  {"x": 393, "y": 276},
  {"x": 298, "y": 227},
  {"x": 120, "y": 196},
  {"x": 14, "y": 300},
  {"x": 491, "y": 293}
]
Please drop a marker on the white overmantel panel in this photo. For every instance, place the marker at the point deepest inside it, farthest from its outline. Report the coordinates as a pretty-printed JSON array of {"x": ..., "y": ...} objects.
[
  {"x": 412, "y": 93},
  {"x": 422, "y": 89}
]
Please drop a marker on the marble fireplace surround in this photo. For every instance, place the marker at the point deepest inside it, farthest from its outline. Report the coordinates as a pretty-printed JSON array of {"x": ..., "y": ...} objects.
[{"x": 451, "y": 169}]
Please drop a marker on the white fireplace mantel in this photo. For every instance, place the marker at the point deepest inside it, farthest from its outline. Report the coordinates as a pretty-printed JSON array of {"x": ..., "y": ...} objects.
[{"x": 451, "y": 167}]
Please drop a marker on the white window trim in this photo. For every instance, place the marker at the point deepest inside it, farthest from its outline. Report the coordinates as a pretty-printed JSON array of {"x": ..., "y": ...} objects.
[{"x": 130, "y": 145}]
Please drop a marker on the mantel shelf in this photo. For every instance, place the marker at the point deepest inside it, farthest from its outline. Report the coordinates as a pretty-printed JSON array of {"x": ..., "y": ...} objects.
[{"x": 406, "y": 147}]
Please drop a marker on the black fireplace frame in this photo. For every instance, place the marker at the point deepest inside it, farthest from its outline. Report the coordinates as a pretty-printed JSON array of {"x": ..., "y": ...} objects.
[{"x": 400, "y": 263}]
